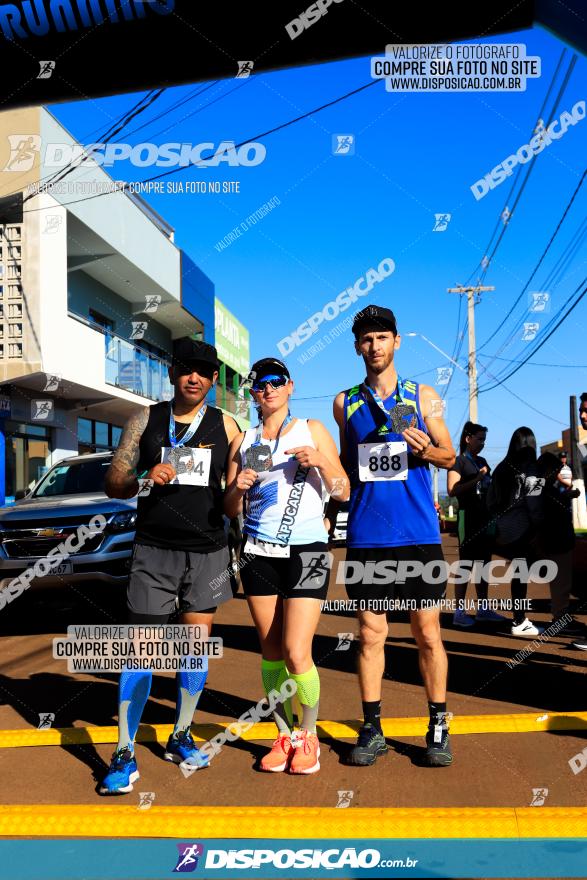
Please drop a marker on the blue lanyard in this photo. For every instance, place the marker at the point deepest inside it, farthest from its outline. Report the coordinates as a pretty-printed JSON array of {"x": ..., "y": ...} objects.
[
  {"x": 195, "y": 424},
  {"x": 472, "y": 460},
  {"x": 377, "y": 399},
  {"x": 285, "y": 422}
]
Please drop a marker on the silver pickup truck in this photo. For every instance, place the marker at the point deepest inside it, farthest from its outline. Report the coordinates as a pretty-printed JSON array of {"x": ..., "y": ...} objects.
[{"x": 65, "y": 498}]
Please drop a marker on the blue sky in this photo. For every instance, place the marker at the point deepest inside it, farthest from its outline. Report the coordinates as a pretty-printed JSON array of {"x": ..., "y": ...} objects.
[{"x": 416, "y": 155}]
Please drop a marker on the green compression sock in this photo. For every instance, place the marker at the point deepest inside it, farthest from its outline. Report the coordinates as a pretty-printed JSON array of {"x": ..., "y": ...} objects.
[{"x": 273, "y": 674}]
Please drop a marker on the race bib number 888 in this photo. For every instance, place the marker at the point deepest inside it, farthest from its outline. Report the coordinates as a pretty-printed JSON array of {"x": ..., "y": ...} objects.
[{"x": 383, "y": 461}]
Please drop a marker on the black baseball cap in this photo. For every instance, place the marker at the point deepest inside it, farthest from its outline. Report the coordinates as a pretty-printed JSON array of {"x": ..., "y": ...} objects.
[
  {"x": 563, "y": 454},
  {"x": 375, "y": 315},
  {"x": 268, "y": 367},
  {"x": 188, "y": 351}
]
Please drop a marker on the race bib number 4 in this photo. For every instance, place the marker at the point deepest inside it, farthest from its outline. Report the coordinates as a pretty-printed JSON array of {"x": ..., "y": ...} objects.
[
  {"x": 383, "y": 461},
  {"x": 192, "y": 465}
]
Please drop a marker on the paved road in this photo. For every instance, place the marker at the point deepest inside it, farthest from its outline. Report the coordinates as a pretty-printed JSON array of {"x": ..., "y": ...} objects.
[{"x": 490, "y": 769}]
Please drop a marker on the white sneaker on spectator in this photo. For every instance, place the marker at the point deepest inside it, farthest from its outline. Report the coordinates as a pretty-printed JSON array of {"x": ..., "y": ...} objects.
[
  {"x": 526, "y": 629},
  {"x": 462, "y": 619}
]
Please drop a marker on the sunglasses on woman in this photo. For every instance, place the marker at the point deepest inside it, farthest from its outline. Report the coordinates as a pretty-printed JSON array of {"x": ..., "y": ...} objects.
[{"x": 274, "y": 381}]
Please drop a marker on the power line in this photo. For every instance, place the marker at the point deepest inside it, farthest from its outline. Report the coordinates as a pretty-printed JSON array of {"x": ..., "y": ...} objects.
[
  {"x": 557, "y": 271},
  {"x": 547, "y": 337},
  {"x": 520, "y": 167},
  {"x": 114, "y": 129},
  {"x": 540, "y": 363},
  {"x": 194, "y": 94},
  {"x": 540, "y": 260},
  {"x": 485, "y": 263},
  {"x": 236, "y": 147}
]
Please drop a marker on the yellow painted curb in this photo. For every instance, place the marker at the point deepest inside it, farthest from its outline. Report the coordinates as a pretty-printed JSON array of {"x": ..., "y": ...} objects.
[
  {"x": 530, "y": 722},
  {"x": 126, "y": 821}
]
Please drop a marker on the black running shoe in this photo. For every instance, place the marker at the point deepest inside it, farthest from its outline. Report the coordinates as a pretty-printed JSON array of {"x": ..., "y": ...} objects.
[
  {"x": 438, "y": 753},
  {"x": 370, "y": 744},
  {"x": 572, "y": 628}
]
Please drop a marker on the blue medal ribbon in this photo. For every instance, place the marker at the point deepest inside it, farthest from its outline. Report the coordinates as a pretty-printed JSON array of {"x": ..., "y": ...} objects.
[
  {"x": 258, "y": 436},
  {"x": 195, "y": 424},
  {"x": 375, "y": 397}
]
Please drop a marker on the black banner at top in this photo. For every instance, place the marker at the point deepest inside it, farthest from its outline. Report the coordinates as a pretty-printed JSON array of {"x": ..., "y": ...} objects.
[{"x": 59, "y": 50}]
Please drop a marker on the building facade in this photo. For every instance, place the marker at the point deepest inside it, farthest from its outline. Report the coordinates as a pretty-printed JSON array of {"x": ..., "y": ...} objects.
[
  {"x": 232, "y": 344},
  {"x": 93, "y": 291}
]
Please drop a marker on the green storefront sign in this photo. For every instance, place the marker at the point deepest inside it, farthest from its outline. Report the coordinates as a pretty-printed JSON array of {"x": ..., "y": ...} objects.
[{"x": 231, "y": 340}]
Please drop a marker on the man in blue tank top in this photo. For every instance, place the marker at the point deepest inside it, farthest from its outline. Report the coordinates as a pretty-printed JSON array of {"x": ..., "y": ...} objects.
[{"x": 391, "y": 430}]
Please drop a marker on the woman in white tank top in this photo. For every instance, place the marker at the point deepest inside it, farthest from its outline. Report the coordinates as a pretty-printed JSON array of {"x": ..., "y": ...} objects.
[{"x": 279, "y": 469}]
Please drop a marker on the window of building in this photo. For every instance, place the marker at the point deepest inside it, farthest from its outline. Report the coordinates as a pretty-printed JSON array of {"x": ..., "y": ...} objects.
[
  {"x": 15, "y": 350},
  {"x": 95, "y": 436},
  {"x": 101, "y": 434},
  {"x": 84, "y": 431},
  {"x": 101, "y": 320},
  {"x": 14, "y": 330},
  {"x": 27, "y": 455},
  {"x": 14, "y": 291},
  {"x": 14, "y": 310}
]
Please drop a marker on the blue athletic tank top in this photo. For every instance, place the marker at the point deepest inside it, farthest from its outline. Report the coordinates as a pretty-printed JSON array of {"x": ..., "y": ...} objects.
[{"x": 390, "y": 513}]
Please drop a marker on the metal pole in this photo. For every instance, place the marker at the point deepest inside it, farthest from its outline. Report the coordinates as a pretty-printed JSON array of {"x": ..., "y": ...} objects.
[{"x": 473, "y": 415}]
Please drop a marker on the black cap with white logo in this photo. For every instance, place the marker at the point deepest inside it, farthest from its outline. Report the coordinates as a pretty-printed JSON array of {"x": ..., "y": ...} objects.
[
  {"x": 188, "y": 351},
  {"x": 375, "y": 317},
  {"x": 268, "y": 367}
]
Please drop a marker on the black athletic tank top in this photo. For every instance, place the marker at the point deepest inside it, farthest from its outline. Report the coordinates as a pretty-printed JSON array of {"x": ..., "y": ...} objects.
[{"x": 182, "y": 517}]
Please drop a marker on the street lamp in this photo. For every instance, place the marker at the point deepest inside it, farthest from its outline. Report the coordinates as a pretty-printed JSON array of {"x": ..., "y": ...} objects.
[
  {"x": 448, "y": 357},
  {"x": 429, "y": 341}
]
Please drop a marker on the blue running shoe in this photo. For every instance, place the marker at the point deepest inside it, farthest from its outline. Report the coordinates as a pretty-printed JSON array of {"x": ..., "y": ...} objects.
[
  {"x": 121, "y": 773},
  {"x": 181, "y": 749}
]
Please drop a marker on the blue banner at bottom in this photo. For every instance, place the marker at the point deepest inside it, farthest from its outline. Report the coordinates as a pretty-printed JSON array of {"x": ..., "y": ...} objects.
[{"x": 151, "y": 859}]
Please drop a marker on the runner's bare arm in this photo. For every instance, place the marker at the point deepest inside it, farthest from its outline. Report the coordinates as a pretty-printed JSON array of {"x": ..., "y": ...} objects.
[
  {"x": 338, "y": 412},
  {"x": 334, "y": 503},
  {"x": 121, "y": 476},
  {"x": 435, "y": 446},
  {"x": 335, "y": 480},
  {"x": 233, "y": 495}
]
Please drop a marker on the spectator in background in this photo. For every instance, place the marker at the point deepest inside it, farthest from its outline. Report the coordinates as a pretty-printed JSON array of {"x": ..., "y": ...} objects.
[
  {"x": 515, "y": 504},
  {"x": 556, "y": 538},
  {"x": 468, "y": 481},
  {"x": 583, "y": 410},
  {"x": 565, "y": 475}
]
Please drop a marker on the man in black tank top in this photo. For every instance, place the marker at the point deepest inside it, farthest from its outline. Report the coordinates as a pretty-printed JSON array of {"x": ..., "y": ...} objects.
[{"x": 180, "y": 556}]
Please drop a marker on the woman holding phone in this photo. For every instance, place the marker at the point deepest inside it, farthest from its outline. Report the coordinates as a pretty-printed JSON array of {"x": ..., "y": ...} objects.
[{"x": 279, "y": 470}]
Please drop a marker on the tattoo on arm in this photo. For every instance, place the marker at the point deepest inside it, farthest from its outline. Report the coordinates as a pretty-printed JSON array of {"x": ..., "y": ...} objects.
[{"x": 126, "y": 457}]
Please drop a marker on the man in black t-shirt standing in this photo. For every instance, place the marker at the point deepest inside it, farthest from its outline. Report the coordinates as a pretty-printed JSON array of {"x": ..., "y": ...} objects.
[{"x": 180, "y": 550}]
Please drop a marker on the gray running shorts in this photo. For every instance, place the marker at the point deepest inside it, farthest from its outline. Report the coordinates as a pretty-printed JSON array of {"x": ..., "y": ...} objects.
[{"x": 159, "y": 576}]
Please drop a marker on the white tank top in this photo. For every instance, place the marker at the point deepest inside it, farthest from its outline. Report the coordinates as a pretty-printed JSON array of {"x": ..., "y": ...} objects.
[{"x": 285, "y": 504}]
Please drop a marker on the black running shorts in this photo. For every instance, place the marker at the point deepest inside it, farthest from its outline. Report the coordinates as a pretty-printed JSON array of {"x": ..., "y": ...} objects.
[
  {"x": 383, "y": 575},
  {"x": 302, "y": 575}
]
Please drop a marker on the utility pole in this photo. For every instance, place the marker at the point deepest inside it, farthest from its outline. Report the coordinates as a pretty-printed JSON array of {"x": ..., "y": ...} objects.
[{"x": 470, "y": 292}]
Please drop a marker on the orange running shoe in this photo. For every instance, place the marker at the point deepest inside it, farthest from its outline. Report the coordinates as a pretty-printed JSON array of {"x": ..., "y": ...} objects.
[
  {"x": 305, "y": 754},
  {"x": 277, "y": 759}
]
